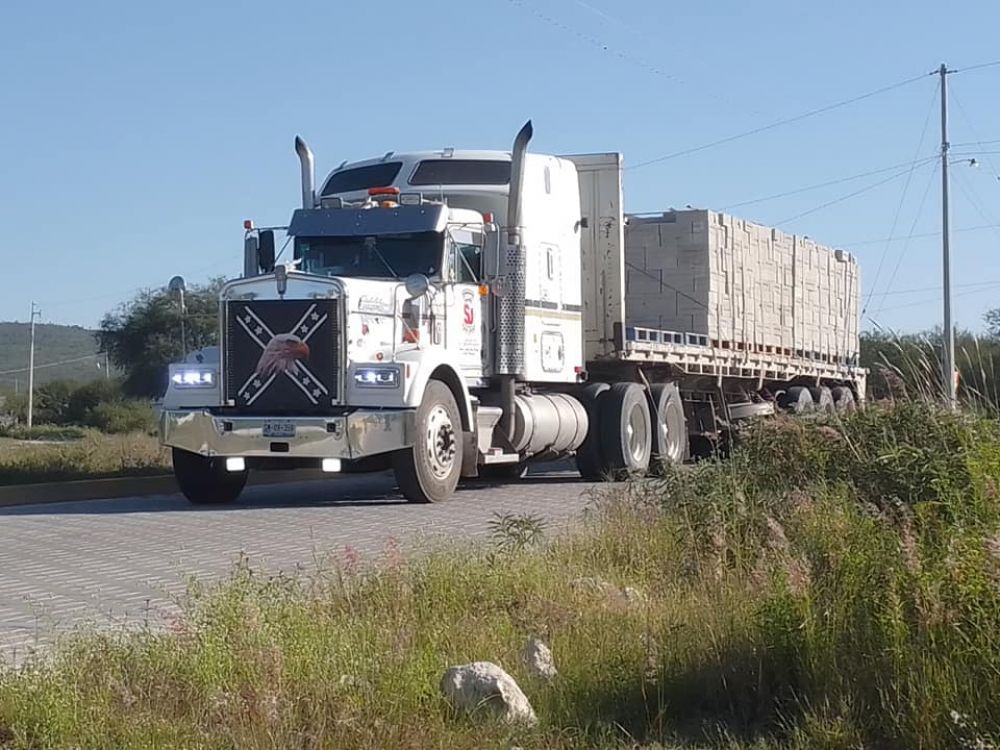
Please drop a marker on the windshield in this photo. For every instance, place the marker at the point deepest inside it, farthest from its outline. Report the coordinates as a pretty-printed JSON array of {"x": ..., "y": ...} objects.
[{"x": 389, "y": 256}]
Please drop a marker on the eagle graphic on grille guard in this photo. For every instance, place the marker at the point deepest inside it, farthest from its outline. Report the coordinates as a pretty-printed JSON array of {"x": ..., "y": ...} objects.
[{"x": 281, "y": 356}]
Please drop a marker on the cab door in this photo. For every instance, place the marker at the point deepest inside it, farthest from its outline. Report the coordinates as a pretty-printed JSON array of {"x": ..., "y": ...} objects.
[{"x": 464, "y": 306}]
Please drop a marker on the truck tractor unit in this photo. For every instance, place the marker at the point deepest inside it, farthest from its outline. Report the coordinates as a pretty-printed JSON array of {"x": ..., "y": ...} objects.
[{"x": 456, "y": 314}]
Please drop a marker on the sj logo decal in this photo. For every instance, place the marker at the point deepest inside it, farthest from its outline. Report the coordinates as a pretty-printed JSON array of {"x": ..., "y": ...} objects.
[{"x": 468, "y": 311}]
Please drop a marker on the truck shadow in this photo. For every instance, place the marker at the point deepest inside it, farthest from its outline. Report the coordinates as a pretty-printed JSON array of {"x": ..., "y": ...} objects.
[{"x": 348, "y": 491}]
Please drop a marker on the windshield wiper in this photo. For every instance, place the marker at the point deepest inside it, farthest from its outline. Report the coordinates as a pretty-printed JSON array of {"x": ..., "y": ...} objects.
[{"x": 371, "y": 244}]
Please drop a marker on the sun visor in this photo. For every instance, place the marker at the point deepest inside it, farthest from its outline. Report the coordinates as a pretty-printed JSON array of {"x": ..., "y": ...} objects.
[{"x": 353, "y": 222}]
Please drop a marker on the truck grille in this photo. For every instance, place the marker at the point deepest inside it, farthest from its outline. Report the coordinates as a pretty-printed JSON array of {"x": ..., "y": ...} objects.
[{"x": 281, "y": 356}]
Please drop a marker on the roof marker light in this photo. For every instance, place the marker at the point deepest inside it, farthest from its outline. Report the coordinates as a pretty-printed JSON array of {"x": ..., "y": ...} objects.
[
  {"x": 247, "y": 224},
  {"x": 383, "y": 191}
]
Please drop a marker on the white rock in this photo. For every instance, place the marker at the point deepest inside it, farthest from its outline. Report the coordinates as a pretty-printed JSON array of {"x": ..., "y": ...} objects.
[
  {"x": 483, "y": 684},
  {"x": 537, "y": 657}
]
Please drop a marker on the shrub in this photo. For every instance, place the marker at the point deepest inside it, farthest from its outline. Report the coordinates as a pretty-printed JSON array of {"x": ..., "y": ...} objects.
[
  {"x": 123, "y": 416},
  {"x": 85, "y": 398}
]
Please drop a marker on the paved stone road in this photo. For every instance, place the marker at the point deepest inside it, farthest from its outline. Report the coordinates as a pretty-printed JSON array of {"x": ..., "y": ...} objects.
[{"x": 117, "y": 562}]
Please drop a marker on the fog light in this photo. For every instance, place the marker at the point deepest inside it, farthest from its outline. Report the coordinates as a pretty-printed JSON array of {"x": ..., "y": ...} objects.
[
  {"x": 236, "y": 463},
  {"x": 331, "y": 465}
]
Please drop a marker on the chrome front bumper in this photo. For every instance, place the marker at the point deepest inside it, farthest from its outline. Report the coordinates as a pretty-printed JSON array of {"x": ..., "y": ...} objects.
[{"x": 351, "y": 436}]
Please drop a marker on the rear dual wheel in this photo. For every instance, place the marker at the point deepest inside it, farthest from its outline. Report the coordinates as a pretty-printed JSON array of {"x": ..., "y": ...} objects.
[{"x": 629, "y": 429}]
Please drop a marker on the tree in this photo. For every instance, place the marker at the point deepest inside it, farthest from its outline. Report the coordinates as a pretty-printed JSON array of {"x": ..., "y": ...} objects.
[
  {"x": 992, "y": 319},
  {"x": 144, "y": 334}
]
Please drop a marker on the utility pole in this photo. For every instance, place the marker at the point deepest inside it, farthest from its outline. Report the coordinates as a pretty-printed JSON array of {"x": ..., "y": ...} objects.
[
  {"x": 948, "y": 334},
  {"x": 35, "y": 313}
]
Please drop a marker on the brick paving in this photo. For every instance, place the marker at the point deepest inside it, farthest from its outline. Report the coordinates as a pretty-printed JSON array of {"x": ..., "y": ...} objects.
[{"x": 120, "y": 562}]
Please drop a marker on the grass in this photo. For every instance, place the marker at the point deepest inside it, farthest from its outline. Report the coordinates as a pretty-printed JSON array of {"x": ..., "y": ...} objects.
[
  {"x": 48, "y": 432},
  {"x": 92, "y": 456},
  {"x": 830, "y": 586}
]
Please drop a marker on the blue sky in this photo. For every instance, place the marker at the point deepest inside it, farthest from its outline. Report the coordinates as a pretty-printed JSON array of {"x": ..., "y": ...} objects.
[{"x": 136, "y": 137}]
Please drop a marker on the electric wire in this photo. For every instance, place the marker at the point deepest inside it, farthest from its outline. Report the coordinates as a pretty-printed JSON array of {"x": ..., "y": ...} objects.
[
  {"x": 843, "y": 198},
  {"x": 84, "y": 358},
  {"x": 906, "y": 244},
  {"x": 829, "y": 183},
  {"x": 917, "y": 303},
  {"x": 779, "y": 123},
  {"x": 902, "y": 200}
]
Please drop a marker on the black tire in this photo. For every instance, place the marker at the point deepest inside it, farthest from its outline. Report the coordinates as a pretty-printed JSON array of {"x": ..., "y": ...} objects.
[
  {"x": 670, "y": 438},
  {"x": 823, "y": 399},
  {"x": 589, "y": 459},
  {"x": 204, "y": 480},
  {"x": 626, "y": 429},
  {"x": 843, "y": 399},
  {"x": 429, "y": 471},
  {"x": 796, "y": 399}
]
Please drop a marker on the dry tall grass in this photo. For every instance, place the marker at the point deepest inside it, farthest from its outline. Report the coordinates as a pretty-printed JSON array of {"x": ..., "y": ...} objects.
[{"x": 829, "y": 586}]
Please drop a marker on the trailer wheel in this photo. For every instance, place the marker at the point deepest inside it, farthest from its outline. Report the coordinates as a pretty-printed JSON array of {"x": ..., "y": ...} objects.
[
  {"x": 429, "y": 471},
  {"x": 823, "y": 399},
  {"x": 204, "y": 480},
  {"x": 626, "y": 429},
  {"x": 796, "y": 399},
  {"x": 670, "y": 439},
  {"x": 843, "y": 399},
  {"x": 589, "y": 460}
]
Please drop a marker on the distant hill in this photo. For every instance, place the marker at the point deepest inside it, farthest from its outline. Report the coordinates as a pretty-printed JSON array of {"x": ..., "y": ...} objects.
[{"x": 53, "y": 343}]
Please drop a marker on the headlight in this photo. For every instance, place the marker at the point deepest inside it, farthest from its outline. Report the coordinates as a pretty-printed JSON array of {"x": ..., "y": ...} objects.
[
  {"x": 193, "y": 377},
  {"x": 376, "y": 377}
]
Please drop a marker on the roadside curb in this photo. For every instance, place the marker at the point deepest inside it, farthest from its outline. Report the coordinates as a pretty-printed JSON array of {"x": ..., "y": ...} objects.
[{"x": 118, "y": 487}]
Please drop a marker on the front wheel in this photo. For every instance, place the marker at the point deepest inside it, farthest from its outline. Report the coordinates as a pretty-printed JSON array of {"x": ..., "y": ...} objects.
[
  {"x": 204, "y": 480},
  {"x": 429, "y": 471}
]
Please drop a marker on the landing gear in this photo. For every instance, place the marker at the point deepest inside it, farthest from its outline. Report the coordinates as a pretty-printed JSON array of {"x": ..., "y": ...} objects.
[
  {"x": 429, "y": 471},
  {"x": 204, "y": 480}
]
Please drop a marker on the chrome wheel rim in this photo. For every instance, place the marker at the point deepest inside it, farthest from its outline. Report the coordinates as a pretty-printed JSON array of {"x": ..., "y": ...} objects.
[
  {"x": 440, "y": 442},
  {"x": 635, "y": 433}
]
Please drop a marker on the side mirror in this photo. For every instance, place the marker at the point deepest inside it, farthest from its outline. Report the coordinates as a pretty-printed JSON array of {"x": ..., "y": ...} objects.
[
  {"x": 491, "y": 254},
  {"x": 249, "y": 255},
  {"x": 265, "y": 250},
  {"x": 416, "y": 285}
]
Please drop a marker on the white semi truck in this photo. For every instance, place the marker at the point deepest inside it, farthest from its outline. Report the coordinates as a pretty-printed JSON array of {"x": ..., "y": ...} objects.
[{"x": 459, "y": 314}]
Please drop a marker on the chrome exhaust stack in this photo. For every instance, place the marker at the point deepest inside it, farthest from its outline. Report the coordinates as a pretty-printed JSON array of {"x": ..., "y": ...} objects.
[
  {"x": 509, "y": 342},
  {"x": 308, "y": 173},
  {"x": 516, "y": 192}
]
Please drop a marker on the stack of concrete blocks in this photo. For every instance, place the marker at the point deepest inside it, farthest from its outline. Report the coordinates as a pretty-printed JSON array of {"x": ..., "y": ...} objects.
[{"x": 741, "y": 285}]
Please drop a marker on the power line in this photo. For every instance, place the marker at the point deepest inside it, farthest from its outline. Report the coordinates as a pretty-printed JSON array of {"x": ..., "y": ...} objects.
[
  {"x": 54, "y": 364},
  {"x": 843, "y": 198},
  {"x": 778, "y": 123},
  {"x": 995, "y": 282},
  {"x": 991, "y": 290},
  {"x": 829, "y": 183},
  {"x": 972, "y": 127},
  {"x": 921, "y": 235},
  {"x": 973, "y": 198},
  {"x": 906, "y": 244},
  {"x": 902, "y": 200},
  {"x": 973, "y": 67}
]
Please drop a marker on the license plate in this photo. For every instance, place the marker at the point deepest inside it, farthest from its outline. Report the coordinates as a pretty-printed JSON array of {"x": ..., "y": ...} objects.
[{"x": 278, "y": 430}]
